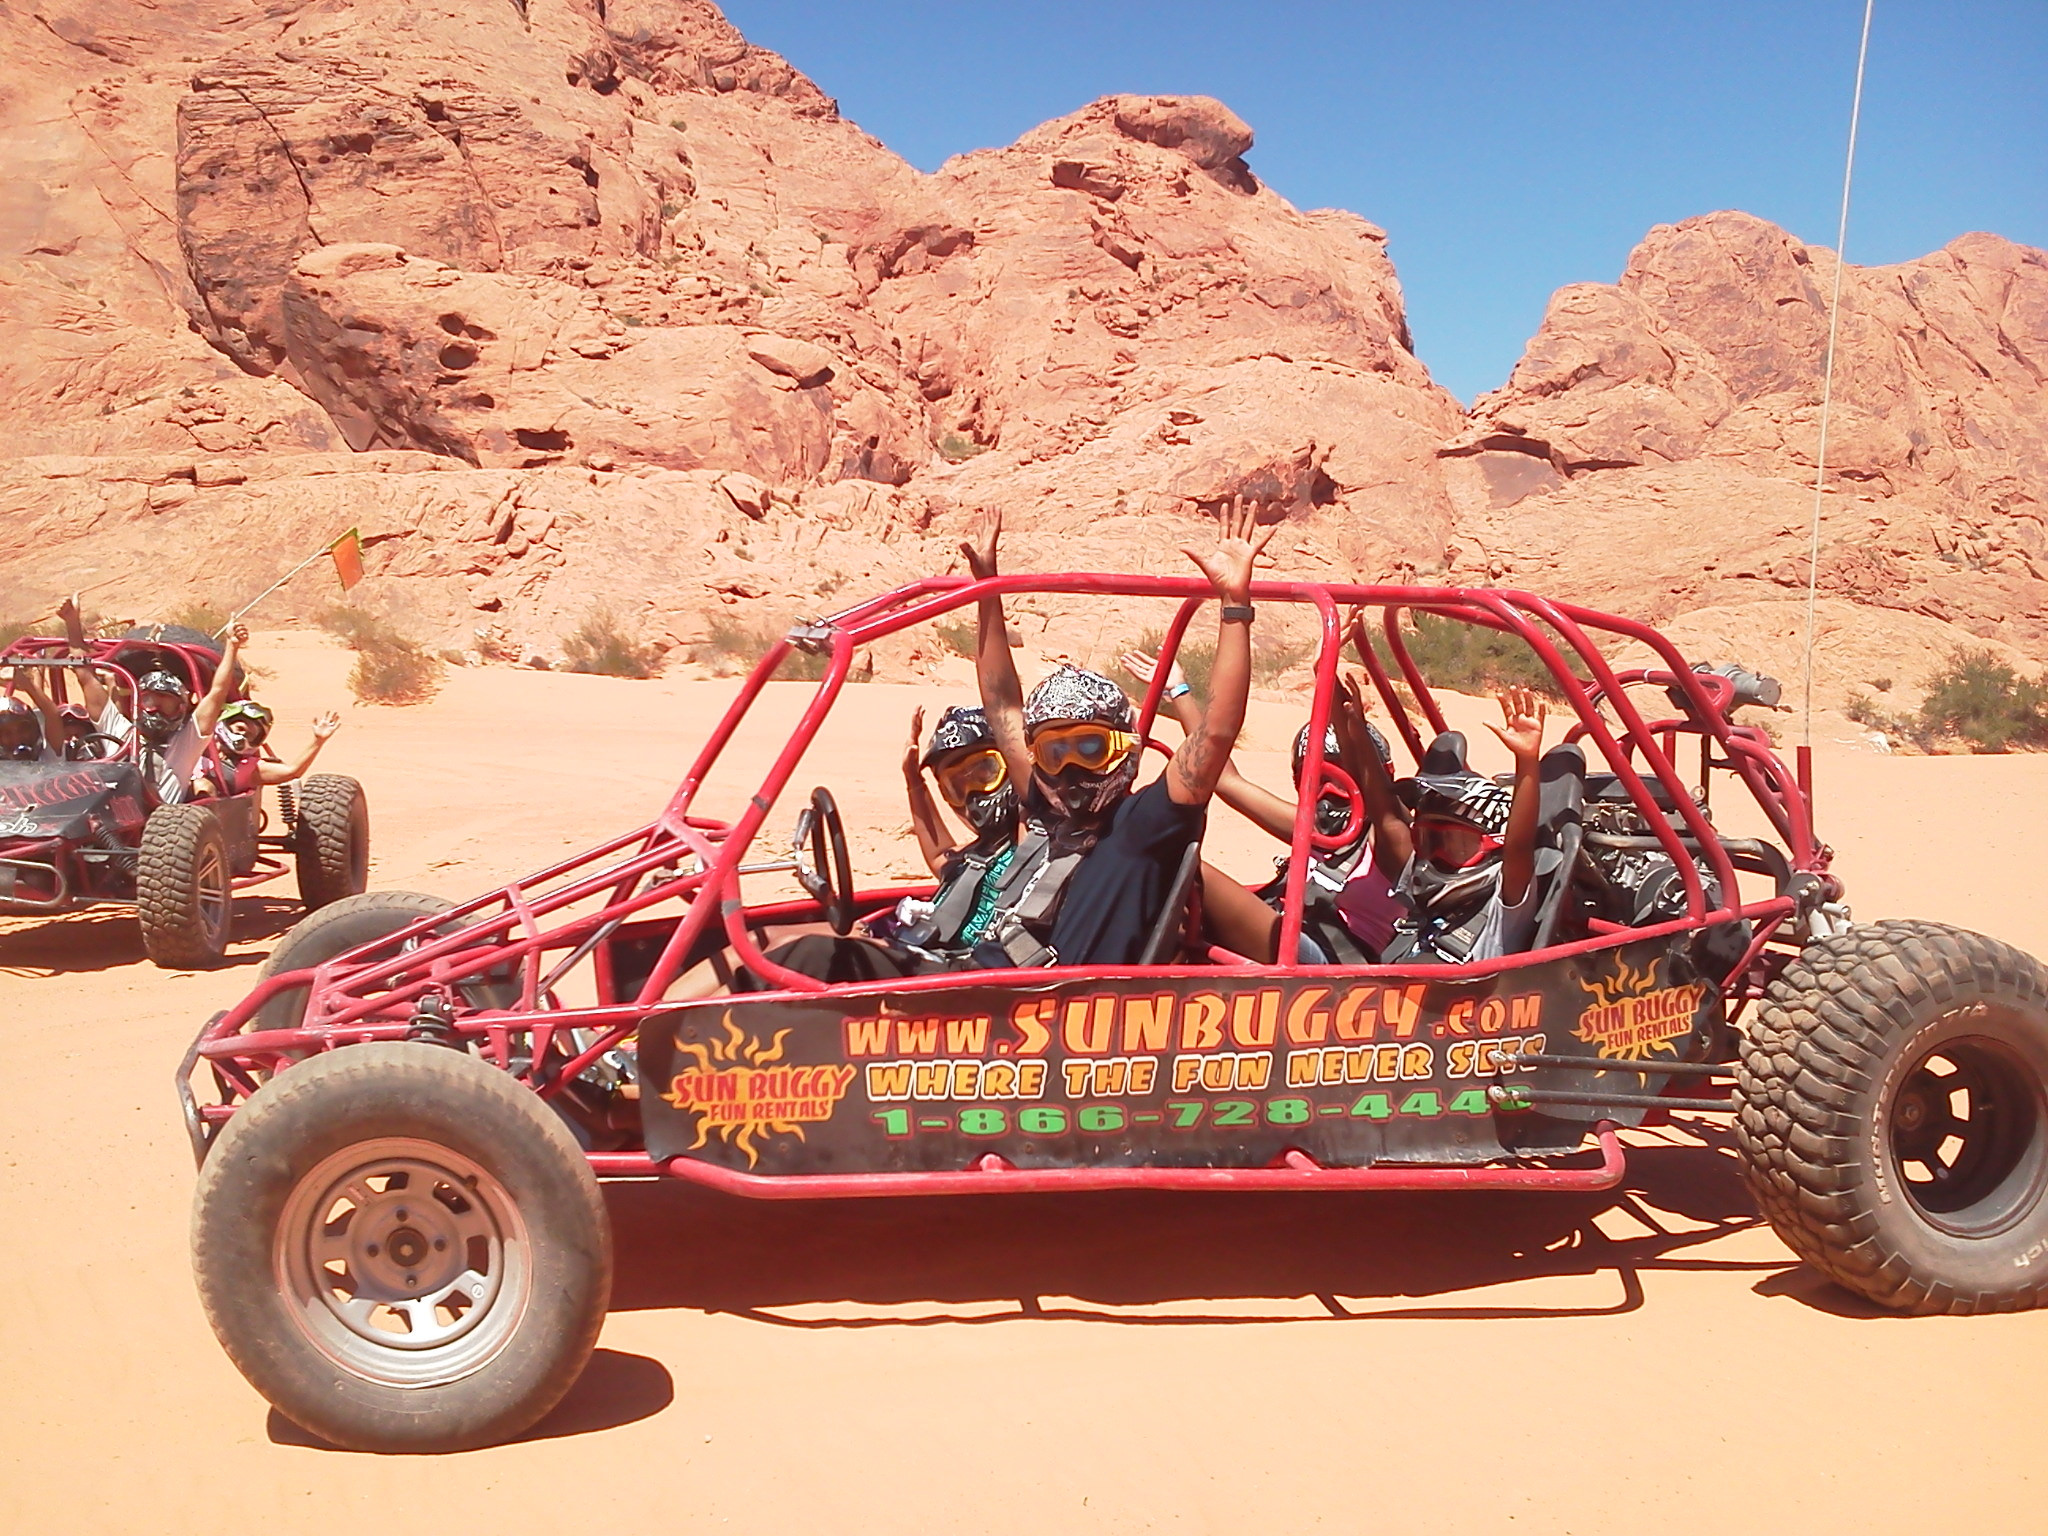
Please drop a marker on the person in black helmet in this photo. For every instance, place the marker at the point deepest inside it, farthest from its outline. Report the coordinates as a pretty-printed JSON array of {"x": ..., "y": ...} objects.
[
  {"x": 964, "y": 762},
  {"x": 1469, "y": 889},
  {"x": 170, "y": 721},
  {"x": 31, "y": 730},
  {"x": 1101, "y": 854},
  {"x": 921, "y": 935}
]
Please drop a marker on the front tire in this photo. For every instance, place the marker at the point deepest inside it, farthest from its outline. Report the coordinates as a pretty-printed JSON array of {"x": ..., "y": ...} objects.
[
  {"x": 184, "y": 888},
  {"x": 1893, "y": 1116},
  {"x": 331, "y": 842},
  {"x": 402, "y": 1249}
]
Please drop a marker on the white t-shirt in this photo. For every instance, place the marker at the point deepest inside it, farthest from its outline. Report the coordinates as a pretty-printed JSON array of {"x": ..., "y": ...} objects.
[
  {"x": 169, "y": 767},
  {"x": 1507, "y": 930}
]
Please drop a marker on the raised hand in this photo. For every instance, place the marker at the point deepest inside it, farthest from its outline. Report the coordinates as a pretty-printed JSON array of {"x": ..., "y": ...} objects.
[
  {"x": 1144, "y": 668},
  {"x": 1521, "y": 728},
  {"x": 239, "y": 634},
  {"x": 913, "y": 763},
  {"x": 980, "y": 546},
  {"x": 326, "y": 725},
  {"x": 1351, "y": 693},
  {"x": 1239, "y": 543}
]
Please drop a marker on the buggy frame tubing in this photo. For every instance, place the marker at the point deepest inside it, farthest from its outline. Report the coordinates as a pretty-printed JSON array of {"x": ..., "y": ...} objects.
[
  {"x": 1296, "y": 1170},
  {"x": 359, "y": 995}
]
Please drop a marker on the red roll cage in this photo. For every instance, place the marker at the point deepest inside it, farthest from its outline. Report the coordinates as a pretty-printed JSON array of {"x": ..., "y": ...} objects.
[{"x": 375, "y": 991}]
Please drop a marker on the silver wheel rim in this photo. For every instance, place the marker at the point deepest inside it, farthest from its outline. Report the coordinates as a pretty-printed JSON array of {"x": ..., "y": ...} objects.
[
  {"x": 404, "y": 1262},
  {"x": 212, "y": 882}
]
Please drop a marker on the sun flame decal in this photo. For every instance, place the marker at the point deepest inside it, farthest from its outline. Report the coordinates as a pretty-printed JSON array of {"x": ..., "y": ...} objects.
[
  {"x": 739, "y": 1090},
  {"x": 1631, "y": 1016}
]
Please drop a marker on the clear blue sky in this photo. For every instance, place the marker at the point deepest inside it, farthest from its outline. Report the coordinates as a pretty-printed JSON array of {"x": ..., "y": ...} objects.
[{"x": 1506, "y": 148}]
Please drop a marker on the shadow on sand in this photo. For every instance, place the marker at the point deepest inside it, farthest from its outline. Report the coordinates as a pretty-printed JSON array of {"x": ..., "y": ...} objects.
[
  {"x": 104, "y": 938},
  {"x": 1155, "y": 1258},
  {"x": 615, "y": 1388}
]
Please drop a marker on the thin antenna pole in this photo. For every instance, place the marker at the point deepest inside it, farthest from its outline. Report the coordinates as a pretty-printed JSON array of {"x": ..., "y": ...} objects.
[{"x": 1827, "y": 386}]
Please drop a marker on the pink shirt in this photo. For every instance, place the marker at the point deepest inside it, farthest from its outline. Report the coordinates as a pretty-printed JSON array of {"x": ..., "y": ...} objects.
[{"x": 1368, "y": 906}]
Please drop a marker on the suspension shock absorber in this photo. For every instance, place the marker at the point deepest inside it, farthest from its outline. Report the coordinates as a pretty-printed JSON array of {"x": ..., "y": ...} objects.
[{"x": 288, "y": 806}]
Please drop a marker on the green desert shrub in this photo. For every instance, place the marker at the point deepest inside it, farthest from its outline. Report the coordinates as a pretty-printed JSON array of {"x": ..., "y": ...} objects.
[
  {"x": 1978, "y": 699},
  {"x": 1468, "y": 658}
]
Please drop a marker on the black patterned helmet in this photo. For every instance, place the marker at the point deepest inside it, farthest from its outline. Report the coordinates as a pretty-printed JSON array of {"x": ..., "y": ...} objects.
[
  {"x": 1468, "y": 797},
  {"x": 960, "y": 727},
  {"x": 1331, "y": 749},
  {"x": 1074, "y": 696}
]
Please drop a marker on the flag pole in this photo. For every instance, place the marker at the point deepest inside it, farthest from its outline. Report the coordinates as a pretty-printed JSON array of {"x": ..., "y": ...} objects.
[{"x": 312, "y": 559}]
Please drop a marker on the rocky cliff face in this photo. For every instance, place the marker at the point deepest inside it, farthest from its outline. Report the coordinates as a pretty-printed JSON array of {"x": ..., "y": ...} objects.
[
  {"x": 1678, "y": 410},
  {"x": 565, "y": 301}
]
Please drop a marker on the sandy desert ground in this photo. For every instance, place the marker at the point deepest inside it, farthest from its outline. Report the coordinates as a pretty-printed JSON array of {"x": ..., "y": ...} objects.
[{"x": 1649, "y": 1360}]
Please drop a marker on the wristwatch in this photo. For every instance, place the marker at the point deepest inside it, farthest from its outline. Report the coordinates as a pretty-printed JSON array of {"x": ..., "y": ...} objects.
[{"x": 1238, "y": 613}]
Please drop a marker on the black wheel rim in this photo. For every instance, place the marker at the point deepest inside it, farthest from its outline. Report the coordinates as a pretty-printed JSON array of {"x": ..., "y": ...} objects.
[{"x": 1969, "y": 1136}]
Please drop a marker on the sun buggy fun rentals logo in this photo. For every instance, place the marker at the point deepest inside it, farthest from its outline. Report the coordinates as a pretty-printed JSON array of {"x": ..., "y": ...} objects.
[
  {"x": 1632, "y": 1016},
  {"x": 742, "y": 1089}
]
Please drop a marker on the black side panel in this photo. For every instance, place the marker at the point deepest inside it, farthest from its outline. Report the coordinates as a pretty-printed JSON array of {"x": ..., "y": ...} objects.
[{"x": 1352, "y": 1067}]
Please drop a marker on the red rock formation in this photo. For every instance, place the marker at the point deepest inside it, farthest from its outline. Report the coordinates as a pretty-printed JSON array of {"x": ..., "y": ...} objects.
[
  {"x": 1675, "y": 415},
  {"x": 609, "y": 304}
]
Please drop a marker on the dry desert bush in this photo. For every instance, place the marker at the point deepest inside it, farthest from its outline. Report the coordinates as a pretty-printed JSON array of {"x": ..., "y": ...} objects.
[
  {"x": 391, "y": 667},
  {"x": 602, "y": 646}
]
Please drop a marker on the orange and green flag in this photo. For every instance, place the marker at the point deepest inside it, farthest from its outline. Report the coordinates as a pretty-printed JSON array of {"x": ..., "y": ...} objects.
[{"x": 348, "y": 558}]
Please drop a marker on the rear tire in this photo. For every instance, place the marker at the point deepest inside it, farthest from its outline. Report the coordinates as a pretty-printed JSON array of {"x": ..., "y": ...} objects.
[
  {"x": 402, "y": 1249},
  {"x": 184, "y": 888},
  {"x": 1893, "y": 1116},
  {"x": 331, "y": 842}
]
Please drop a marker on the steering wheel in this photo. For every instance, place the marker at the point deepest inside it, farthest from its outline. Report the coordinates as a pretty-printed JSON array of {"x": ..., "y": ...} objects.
[
  {"x": 822, "y": 865},
  {"x": 99, "y": 746},
  {"x": 1336, "y": 780}
]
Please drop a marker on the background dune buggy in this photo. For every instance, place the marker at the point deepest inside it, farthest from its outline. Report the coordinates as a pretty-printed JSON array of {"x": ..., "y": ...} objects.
[
  {"x": 92, "y": 832},
  {"x": 398, "y": 1232}
]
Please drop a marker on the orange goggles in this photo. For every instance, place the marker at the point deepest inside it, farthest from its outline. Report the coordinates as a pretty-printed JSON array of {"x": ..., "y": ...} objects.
[
  {"x": 1097, "y": 748},
  {"x": 971, "y": 773}
]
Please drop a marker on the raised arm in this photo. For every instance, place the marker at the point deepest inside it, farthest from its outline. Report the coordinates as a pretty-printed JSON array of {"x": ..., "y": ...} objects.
[
  {"x": 1391, "y": 843},
  {"x": 995, "y": 669},
  {"x": 53, "y": 723},
  {"x": 207, "y": 715},
  {"x": 90, "y": 687},
  {"x": 1522, "y": 731},
  {"x": 1198, "y": 765},
  {"x": 932, "y": 842},
  {"x": 324, "y": 726}
]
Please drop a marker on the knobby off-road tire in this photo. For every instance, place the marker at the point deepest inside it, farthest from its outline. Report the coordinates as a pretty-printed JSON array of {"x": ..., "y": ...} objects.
[
  {"x": 331, "y": 843},
  {"x": 1892, "y": 1120},
  {"x": 184, "y": 888},
  {"x": 342, "y": 925},
  {"x": 402, "y": 1249}
]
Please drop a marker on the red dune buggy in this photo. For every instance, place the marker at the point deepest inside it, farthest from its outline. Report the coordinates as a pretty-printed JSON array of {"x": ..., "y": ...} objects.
[
  {"x": 92, "y": 829},
  {"x": 398, "y": 1230}
]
